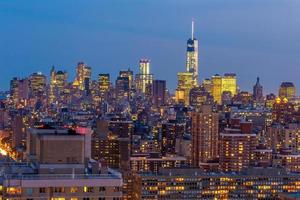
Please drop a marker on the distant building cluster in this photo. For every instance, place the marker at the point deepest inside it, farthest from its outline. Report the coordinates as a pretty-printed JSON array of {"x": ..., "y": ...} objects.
[{"x": 132, "y": 138}]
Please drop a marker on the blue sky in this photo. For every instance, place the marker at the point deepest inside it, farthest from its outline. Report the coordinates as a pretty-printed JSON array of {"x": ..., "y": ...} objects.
[{"x": 249, "y": 37}]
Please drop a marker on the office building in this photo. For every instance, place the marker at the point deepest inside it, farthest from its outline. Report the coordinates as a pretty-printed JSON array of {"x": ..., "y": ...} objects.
[
  {"x": 216, "y": 81},
  {"x": 58, "y": 84},
  {"x": 37, "y": 84},
  {"x": 104, "y": 84},
  {"x": 83, "y": 76},
  {"x": 144, "y": 79},
  {"x": 184, "y": 85},
  {"x": 287, "y": 90},
  {"x": 122, "y": 88},
  {"x": 159, "y": 93},
  {"x": 129, "y": 74},
  {"x": 192, "y": 62},
  {"x": 227, "y": 83}
]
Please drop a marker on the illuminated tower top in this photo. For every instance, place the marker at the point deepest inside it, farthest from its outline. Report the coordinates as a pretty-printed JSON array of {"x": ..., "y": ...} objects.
[
  {"x": 192, "y": 56},
  {"x": 144, "y": 66}
]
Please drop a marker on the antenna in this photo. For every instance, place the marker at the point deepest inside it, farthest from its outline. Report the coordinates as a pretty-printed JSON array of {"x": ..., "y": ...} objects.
[{"x": 192, "y": 28}]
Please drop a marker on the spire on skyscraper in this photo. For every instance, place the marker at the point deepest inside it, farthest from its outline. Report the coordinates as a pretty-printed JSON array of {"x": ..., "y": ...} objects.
[
  {"x": 192, "y": 28},
  {"x": 192, "y": 56}
]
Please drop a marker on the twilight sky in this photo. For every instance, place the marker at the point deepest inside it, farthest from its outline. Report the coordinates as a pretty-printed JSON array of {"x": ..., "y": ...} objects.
[{"x": 249, "y": 37}]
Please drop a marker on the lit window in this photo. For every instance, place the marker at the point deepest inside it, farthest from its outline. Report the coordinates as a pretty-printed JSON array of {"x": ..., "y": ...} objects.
[{"x": 74, "y": 189}]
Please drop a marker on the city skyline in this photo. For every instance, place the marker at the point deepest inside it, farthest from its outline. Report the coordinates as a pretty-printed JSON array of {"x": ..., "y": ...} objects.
[
  {"x": 139, "y": 100},
  {"x": 244, "y": 49}
]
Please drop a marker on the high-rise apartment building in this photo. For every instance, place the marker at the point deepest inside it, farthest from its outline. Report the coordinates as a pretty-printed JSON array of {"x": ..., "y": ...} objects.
[
  {"x": 111, "y": 143},
  {"x": 171, "y": 131},
  {"x": 283, "y": 111},
  {"x": 205, "y": 136},
  {"x": 284, "y": 137},
  {"x": 237, "y": 146}
]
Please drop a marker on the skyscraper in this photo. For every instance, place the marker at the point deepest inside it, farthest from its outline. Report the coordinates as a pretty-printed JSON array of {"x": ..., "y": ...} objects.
[
  {"x": 58, "y": 82},
  {"x": 257, "y": 91},
  {"x": 37, "y": 84},
  {"x": 83, "y": 76},
  {"x": 192, "y": 57},
  {"x": 104, "y": 85},
  {"x": 159, "y": 92},
  {"x": 185, "y": 84},
  {"x": 287, "y": 90},
  {"x": 237, "y": 145},
  {"x": 227, "y": 83},
  {"x": 205, "y": 135},
  {"x": 14, "y": 89},
  {"x": 144, "y": 78},
  {"x": 217, "y": 88},
  {"x": 199, "y": 96},
  {"x": 122, "y": 88},
  {"x": 128, "y": 74}
]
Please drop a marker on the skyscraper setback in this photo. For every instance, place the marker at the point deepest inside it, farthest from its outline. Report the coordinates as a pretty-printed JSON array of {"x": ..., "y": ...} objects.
[{"x": 192, "y": 62}]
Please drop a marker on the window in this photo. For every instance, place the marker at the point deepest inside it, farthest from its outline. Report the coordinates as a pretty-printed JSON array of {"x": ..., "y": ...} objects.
[
  {"x": 43, "y": 190},
  {"x": 74, "y": 189},
  {"x": 88, "y": 189},
  {"x": 29, "y": 191},
  {"x": 101, "y": 189},
  {"x": 59, "y": 189},
  {"x": 101, "y": 198},
  {"x": 13, "y": 190}
]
